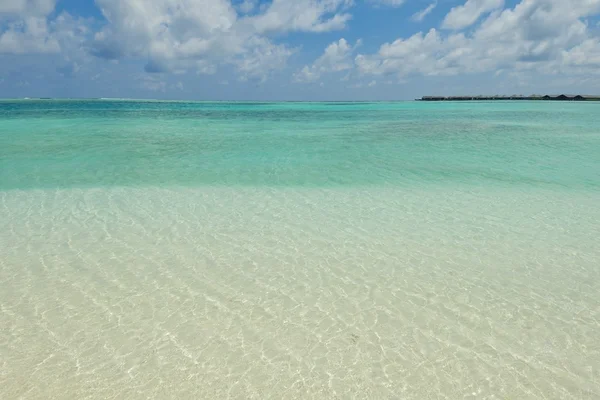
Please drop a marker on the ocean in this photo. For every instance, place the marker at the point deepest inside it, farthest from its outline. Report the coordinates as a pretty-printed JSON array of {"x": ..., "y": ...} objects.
[{"x": 248, "y": 250}]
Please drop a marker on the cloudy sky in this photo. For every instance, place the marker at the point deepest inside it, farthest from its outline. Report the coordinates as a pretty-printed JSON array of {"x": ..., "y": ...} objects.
[{"x": 297, "y": 49}]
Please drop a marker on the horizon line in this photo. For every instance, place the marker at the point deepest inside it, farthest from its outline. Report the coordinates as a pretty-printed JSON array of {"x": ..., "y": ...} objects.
[{"x": 206, "y": 101}]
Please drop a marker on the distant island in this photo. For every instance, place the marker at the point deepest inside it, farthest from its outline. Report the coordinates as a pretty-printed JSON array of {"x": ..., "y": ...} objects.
[{"x": 560, "y": 97}]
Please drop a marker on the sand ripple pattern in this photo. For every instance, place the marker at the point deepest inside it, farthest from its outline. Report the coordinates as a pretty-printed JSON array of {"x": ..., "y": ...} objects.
[{"x": 233, "y": 293}]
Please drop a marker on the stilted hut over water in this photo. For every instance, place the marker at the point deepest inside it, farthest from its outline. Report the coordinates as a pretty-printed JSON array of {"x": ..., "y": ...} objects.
[{"x": 560, "y": 97}]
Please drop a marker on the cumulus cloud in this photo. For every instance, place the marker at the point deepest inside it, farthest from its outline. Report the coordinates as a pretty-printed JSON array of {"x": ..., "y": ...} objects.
[
  {"x": 263, "y": 58},
  {"x": 249, "y": 36},
  {"x": 302, "y": 15},
  {"x": 164, "y": 30},
  {"x": 177, "y": 34},
  {"x": 466, "y": 15},
  {"x": 335, "y": 58},
  {"x": 29, "y": 35},
  {"x": 174, "y": 35},
  {"x": 26, "y": 27},
  {"x": 427, "y": 54},
  {"x": 547, "y": 35}
]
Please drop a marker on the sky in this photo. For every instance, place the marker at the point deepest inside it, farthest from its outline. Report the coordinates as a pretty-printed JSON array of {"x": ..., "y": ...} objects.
[{"x": 297, "y": 49}]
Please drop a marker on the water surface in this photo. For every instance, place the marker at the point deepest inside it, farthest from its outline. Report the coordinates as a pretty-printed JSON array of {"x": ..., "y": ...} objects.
[{"x": 299, "y": 250}]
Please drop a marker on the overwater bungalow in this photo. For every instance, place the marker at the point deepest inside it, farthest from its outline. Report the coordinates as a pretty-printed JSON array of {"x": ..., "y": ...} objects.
[{"x": 559, "y": 97}]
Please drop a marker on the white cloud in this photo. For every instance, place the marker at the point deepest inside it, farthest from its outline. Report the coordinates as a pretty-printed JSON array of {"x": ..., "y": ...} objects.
[
  {"x": 390, "y": 3},
  {"x": 420, "y": 15},
  {"x": 247, "y": 6},
  {"x": 30, "y": 35},
  {"x": 583, "y": 59},
  {"x": 555, "y": 37},
  {"x": 548, "y": 36},
  {"x": 38, "y": 35},
  {"x": 22, "y": 8},
  {"x": 262, "y": 58},
  {"x": 427, "y": 54},
  {"x": 466, "y": 15},
  {"x": 164, "y": 29},
  {"x": 178, "y": 35},
  {"x": 335, "y": 58},
  {"x": 25, "y": 28},
  {"x": 306, "y": 74},
  {"x": 302, "y": 15}
]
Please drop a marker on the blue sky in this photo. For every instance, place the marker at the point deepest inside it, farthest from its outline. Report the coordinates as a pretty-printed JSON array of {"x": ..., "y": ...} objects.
[{"x": 297, "y": 49}]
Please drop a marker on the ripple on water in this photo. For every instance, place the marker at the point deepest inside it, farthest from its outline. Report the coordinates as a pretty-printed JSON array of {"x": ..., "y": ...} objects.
[{"x": 299, "y": 293}]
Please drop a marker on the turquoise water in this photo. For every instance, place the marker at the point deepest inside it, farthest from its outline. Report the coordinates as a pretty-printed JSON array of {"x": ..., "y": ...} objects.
[
  {"x": 299, "y": 250},
  {"x": 47, "y": 144}
]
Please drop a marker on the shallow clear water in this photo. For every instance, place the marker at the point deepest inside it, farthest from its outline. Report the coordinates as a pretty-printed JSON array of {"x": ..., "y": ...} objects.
[{"x": 314, "y": 250}]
